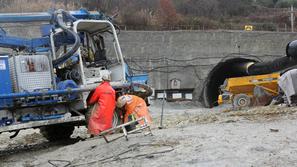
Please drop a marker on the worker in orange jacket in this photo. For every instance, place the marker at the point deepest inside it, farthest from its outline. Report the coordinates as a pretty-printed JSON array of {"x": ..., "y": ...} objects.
[
  {"x": 135, "y": 106},
  {"x": 103, "y": 100}
]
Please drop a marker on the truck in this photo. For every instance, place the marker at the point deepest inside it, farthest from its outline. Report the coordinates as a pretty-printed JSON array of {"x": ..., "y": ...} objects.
[
  {"x": 45, "y": 81},
  {"x": 239, "y": 91}
]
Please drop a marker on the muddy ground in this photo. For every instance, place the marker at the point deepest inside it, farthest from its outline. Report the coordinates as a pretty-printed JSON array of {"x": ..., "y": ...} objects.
[{"x": 191, "y": 136}]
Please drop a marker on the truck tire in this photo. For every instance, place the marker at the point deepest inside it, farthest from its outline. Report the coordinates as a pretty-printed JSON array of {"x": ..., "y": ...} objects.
[
  {"x": 242, "y": 100},
  {"x": 56, "y": 132}
]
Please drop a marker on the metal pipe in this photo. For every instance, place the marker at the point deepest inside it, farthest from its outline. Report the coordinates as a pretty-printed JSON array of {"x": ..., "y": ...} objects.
[
  {"x": 55, "y": 92},
  {"x": 45, "y": 16},
  {"x": 162, "y": 111},
  {"x": 43, "y": 93},
  {"x": 271, "y": 66},
  {"x": 118, "y": 49},
  {"x": 277, "y": 64}
]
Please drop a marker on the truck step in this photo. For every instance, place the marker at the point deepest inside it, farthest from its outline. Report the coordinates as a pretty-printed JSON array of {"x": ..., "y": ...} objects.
[{"x": 78, "y": 120}]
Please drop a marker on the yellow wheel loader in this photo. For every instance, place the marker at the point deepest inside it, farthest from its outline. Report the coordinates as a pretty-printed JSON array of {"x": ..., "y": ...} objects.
[{"x": 239, "y": 91}]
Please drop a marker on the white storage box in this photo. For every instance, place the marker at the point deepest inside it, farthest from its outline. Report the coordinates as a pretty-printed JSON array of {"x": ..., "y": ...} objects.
[{"x": 30, "y": 73}]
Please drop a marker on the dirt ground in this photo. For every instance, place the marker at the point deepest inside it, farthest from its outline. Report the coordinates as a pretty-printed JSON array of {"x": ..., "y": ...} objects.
[{"x": 191, "y": 136}]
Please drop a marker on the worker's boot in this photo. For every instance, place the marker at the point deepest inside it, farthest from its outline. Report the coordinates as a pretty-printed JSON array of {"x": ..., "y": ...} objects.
[{"x": 131, "y": 126}]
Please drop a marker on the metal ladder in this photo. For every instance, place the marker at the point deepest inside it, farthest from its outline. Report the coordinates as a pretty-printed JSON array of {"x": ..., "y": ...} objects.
[{"x": 143, "y": 127}]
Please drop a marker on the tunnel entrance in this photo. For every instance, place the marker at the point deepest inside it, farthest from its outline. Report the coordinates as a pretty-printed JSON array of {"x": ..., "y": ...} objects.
[{"x": 234, "y": 67}]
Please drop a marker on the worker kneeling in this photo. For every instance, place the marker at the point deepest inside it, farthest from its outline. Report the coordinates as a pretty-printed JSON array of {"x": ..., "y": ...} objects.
[
  {"x": 103, "y": 100},
  {"x": 135, "y": 107}
]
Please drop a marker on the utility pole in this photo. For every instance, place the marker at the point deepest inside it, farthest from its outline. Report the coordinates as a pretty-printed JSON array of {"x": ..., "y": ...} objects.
[{"x": 292, "y": 18}]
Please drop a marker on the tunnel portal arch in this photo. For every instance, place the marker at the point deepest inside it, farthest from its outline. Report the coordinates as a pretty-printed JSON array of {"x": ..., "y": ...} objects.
[{"x": 228, "y": 68}]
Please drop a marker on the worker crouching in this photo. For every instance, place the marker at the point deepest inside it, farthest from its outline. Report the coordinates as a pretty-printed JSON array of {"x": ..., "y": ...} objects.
[
  {"x": 101, "y": 114},
  {"x": 135, "y": 107}
]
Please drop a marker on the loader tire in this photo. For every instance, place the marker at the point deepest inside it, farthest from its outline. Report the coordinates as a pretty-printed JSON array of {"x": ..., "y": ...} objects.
[
  {"x": 56, "y": 132},
  {"x": 242, "y": 100}
]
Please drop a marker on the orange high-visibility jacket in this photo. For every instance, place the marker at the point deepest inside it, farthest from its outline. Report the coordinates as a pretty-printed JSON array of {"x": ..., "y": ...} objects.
[
  {"x": 136, "y": 106},
  {"x": 101, "y": 117}
]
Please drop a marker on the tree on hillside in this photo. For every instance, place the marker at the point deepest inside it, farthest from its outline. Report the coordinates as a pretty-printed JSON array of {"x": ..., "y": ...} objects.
[
  {"x": 136, "y": 12},
  {"x": 286, "y": 3},
  {"x": 235, "y": 7},
  {"x": 167, "y": 13},
  {"x": 266, "y": 3},
  {"x": 206, "y": 8}
]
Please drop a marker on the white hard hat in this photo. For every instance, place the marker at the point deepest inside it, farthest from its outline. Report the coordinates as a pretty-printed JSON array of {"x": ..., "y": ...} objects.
[
  {"x": 122, "y": 100},
  {"x": 106, "y": 76}
]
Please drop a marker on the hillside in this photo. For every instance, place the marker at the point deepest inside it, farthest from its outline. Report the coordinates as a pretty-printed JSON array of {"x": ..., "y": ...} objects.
[{"x": 271, "y": 15}]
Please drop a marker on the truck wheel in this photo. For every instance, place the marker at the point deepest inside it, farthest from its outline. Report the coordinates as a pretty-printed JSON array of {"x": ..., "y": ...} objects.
[
  {"x": 56, "y": 132},
  {"x": 241, "y": 100}
]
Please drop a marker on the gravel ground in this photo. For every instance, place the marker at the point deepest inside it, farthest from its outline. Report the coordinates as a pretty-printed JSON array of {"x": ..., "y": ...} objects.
[{"x": 191, "y": 136}]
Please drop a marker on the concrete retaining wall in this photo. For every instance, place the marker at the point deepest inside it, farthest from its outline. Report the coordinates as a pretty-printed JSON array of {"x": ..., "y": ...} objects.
[{"x": 190, "y": 55}]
